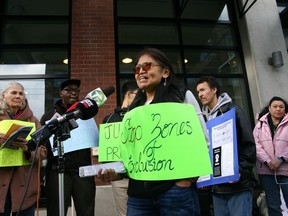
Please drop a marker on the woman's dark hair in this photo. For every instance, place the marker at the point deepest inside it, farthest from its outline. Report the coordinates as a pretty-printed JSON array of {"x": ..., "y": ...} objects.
[
  {"x": 266, "y": 108},
  {"x": 212, "y": 82},
  {"x": 164, "y": 93}
]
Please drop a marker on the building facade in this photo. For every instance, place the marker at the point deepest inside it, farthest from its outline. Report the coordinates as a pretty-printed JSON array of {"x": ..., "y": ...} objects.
[{"x": 229, "y": 39}]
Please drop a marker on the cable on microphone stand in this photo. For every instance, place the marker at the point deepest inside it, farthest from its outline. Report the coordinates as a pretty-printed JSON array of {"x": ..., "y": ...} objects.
[
  {"x": 29, "y": 177},
  {"x": 61, "y": 135}
]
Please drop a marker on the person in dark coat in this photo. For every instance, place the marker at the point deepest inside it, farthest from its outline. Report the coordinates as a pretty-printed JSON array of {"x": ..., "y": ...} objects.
[
  {"x": 82, "y": 190},
  {"x": 233, "y": 198},
  {"x": 155, "y": 78}
]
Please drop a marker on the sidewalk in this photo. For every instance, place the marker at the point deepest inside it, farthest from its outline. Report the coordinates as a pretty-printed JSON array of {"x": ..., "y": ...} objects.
[{"x": 104, "y": 206}]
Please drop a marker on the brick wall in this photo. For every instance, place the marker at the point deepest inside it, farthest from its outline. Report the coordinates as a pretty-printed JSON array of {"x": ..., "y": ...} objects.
[{"x": 93, "y": 50}]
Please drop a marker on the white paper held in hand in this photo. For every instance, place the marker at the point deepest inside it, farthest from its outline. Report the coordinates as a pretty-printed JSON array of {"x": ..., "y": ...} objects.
[{"x": 92, "y": 170}]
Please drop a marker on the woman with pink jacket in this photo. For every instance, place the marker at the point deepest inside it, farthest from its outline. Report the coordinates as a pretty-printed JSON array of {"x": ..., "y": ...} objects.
[{"x": 271, "y": 138}]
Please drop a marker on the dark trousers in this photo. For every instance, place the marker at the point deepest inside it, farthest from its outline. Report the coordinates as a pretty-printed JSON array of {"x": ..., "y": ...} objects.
[
  {"x": 82, "y": 190},
  {"x": 7, "y": 211}
]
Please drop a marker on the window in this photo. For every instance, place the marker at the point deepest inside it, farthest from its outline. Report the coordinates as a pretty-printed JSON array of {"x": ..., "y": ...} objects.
[
  {"x": 199, "y": 37},
  {"x": 283, "y": 12},
  {"x": 35, "y": 34}
]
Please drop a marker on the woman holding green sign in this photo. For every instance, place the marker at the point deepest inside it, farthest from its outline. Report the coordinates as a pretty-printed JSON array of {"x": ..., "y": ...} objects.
[
  {"x": 156, "y": 80},
  {"x": 14, "y": 179}
]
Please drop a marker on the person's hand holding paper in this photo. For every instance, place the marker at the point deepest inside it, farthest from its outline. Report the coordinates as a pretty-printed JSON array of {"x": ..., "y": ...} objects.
[{"x": 20, "y": 143}]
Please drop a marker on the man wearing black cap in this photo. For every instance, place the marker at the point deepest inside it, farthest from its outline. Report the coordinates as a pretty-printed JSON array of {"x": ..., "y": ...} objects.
[{"x": 81, "y": 189}]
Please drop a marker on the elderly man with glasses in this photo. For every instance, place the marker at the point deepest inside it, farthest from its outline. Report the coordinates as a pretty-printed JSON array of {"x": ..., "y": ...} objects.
[{"x": 81, "y": 189}]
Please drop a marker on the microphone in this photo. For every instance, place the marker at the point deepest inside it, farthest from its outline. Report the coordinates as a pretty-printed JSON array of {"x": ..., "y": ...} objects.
[
  {"x": 96, "y": 95},
  {"x": 87, "y": 109},
  {"x": 84, "y": 110},
  {"x": 100, "y": 96}
]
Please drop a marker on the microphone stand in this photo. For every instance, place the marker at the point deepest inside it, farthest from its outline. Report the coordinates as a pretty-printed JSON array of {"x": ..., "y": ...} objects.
[{"x": 62, "y": 134}]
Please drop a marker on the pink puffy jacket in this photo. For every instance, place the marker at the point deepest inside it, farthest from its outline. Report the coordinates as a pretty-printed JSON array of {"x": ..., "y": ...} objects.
[{"x": 268, "y": 149}]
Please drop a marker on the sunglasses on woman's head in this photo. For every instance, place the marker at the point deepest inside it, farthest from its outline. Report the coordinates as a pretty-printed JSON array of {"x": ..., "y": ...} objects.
[{"x": 146, "y": 66}]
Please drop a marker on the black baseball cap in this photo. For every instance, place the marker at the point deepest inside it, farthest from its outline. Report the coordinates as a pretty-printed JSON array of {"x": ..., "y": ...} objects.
[{"x": 70, "y": 82}]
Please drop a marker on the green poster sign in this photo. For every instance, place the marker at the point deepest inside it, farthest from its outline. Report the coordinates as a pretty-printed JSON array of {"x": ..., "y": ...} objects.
[
  {"x": 163, "y": 141},
  {"x": 109, "y": 141}
]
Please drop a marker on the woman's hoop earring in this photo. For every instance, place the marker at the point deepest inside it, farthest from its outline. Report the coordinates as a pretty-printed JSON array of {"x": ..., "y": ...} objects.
[{"x": 165, "y": 82}]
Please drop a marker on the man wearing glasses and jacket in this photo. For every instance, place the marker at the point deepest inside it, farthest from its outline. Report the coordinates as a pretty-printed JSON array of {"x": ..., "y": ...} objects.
[{"x": 82, "y": 190}]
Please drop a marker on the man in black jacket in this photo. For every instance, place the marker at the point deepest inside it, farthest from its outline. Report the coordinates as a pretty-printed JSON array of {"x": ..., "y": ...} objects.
[
  {"x": 119, "y": 187},
  {"x": 81, "y": 189},
  {"x": 233, "y": 198}
]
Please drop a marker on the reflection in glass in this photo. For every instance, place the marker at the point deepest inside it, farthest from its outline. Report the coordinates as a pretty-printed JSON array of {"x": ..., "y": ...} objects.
[
  {"x": 198, "y": 37},
  {"x": 22, "y": 69},
  {"x": 212, "y": 62},
  {"x": 127, "y": 68},
  {"x": 52, "y": 59},
  {"x": 144, "y": 8},
  {"x": 172, "y": 54},
  {"x": 35, "y": 32},
  {"x": 206, "y": 10},
  {"x": 147, "y": 32},
  {"x": 37, "y": 7},
  {"x": 208, "y": 34}
]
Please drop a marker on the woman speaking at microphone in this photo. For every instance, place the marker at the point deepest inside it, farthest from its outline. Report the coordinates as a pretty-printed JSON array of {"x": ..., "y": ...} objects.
[
  {"x": 155, "y": 78},
  {"x": 14, "y": 106}
]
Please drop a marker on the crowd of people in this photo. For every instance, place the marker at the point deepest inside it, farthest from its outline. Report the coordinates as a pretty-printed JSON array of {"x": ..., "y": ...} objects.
[{"x": 261, "y": 152}]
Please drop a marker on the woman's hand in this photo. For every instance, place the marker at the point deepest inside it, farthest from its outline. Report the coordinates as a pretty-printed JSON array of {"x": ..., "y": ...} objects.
[
  {"x": 41, "y": 153},
  {"x": 108, "y": 175},
  {"x": 2, "y": 138},
  {"x": 274, "y": 164},
  {"x": 21, "y": 143}
]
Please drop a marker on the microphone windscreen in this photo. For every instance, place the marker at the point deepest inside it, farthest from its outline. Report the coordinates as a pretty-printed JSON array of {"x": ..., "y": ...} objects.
[
  {"x": 108, "y": 91},
  {"x": 88, "y": 108}
]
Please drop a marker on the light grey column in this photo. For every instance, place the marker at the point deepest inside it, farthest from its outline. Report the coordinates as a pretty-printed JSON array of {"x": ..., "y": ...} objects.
[{"x": 261, "y": 34}]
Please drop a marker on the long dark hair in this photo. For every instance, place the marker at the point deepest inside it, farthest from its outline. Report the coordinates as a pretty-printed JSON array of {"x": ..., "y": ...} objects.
[
  {"x": 171, "y": 92},
  {"x": 266, "y": 108}
]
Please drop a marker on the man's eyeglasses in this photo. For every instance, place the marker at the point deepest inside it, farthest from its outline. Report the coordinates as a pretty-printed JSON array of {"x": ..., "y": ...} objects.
[
  {"x": 70, "y": 90},
  {"x": 146, "y": 66}
]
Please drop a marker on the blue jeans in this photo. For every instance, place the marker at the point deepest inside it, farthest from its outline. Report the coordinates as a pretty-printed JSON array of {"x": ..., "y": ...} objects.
[
  {"x": 236, "y": 204},
  {"x": 272, "y": 191},
  {"x": 26, "y": 212},
  {"x": 176, "y": 201}
]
